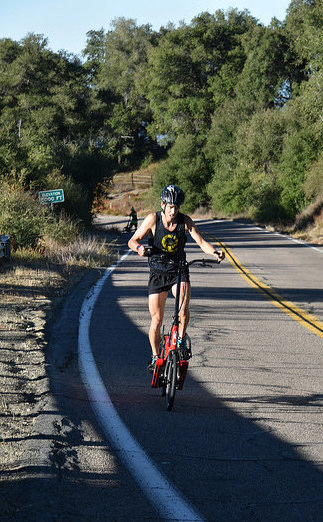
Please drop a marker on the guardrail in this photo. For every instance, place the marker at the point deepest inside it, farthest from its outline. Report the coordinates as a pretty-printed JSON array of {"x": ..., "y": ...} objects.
[{"x": 5, "y": 247}]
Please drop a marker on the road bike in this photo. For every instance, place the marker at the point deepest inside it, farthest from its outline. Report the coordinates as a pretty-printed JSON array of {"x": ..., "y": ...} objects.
[{"x": 172, "y": 363}]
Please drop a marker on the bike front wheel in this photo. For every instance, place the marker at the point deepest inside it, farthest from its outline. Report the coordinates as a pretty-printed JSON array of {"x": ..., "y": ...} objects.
[{"x": 171, "y": 378}]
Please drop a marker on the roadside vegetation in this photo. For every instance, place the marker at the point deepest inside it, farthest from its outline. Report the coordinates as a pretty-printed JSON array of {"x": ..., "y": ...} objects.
[
  {"x": 42, "y": 237},
  {"x": 225, "y": 107}
]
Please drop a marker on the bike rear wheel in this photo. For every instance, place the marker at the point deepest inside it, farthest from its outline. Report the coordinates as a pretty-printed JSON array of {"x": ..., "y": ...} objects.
[{"x": 171, "y": 378}]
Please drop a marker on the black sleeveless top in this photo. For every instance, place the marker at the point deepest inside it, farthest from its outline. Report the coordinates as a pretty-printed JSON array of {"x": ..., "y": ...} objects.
[{"x": 168, "y": 245}]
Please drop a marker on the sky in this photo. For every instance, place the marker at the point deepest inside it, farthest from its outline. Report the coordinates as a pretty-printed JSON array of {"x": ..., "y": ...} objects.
[{"x": 65, "y": 22}]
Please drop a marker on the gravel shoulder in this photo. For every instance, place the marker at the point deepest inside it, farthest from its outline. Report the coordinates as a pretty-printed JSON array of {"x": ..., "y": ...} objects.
[{"x": 54, "y": 463}]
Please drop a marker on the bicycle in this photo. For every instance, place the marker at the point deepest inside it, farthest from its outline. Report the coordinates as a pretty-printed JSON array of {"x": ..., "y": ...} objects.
[
  {"x": 128, "y": 227},
  {"x": 172, "y": 363}
]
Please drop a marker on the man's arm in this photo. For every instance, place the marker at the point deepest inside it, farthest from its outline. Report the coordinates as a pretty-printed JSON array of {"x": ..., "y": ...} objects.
[
  {"x": 204, "y": 245},
  {"x": 148, "y": 224}
]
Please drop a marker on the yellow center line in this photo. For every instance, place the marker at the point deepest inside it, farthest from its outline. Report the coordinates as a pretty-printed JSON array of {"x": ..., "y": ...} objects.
[{"x": 306, "y": 319}]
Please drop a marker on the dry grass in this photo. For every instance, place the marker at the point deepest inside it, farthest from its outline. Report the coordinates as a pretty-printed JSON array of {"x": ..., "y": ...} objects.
[
  {"x": 52, "y": 269},
  {"x": 29, "y": 280},
  {"x": 312, "y": 234},
  {"x": 87, "y": 251},
  {"x": 31, "y": 287},
  {"x": 128, "y": 189},
  {"x": 309, "y": 224}
]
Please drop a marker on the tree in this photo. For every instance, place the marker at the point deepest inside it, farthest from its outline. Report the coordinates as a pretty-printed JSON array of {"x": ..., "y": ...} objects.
[
  {"x": 259, "y": 149},
  {"x": 43, "y": 102},
  {"x": 184, "y": 69},
  {"x": 43, "y": 117},
  {"x": 304, "y": 25},
  {"x": 187, "y": 167},
  {"x": 303, "y": 141},
  {"x": 118, "y": 62},
  {"x": 227, "y": 192},
  {"x": 269, "y": 72}
]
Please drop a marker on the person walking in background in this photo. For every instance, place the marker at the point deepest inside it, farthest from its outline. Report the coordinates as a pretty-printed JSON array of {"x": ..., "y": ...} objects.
[{"x": 133, "y": 219}]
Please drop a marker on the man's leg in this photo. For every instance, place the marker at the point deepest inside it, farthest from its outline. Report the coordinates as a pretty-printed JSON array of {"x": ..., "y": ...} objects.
[{"x": 156, "y": 309}]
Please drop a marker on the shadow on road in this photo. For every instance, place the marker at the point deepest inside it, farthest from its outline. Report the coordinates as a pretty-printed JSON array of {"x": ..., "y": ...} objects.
[{"x": 230, "y": 465}]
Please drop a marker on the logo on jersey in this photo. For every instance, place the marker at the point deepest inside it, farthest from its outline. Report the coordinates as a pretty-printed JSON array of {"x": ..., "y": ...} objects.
[{"x": 170, "y": 243}]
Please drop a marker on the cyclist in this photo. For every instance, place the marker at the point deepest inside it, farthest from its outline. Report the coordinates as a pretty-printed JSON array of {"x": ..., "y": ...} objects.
[
  {"x": 133, "y": 219},
  {"x": 166, "y": 230}
]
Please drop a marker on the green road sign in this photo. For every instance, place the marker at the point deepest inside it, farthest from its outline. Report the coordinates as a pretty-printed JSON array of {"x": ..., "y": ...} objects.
[{"x": 51, "y": 196}]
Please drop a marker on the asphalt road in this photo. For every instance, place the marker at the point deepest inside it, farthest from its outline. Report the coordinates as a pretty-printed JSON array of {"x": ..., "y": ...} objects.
[{"x": 244, "y": 440}]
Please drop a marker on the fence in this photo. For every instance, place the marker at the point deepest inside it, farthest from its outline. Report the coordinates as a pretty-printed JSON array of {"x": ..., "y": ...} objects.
[
  {"x": 134, "y": 179},
  {"x": 5, "y": 247}
]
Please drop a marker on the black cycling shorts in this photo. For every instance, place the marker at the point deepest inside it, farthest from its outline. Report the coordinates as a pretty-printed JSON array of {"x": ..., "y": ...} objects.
[{"x": 163, "y": 281}]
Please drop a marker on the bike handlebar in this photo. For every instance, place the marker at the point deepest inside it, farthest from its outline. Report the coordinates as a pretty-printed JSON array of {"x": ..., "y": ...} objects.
[{"x": 202, "y": 262}]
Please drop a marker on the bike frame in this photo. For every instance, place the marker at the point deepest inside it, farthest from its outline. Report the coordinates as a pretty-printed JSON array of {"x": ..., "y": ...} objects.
[{"x": 170, "y": 341}]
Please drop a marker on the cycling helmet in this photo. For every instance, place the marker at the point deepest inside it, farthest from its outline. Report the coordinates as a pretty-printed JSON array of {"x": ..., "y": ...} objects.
[{"x": 172, "y": 195}]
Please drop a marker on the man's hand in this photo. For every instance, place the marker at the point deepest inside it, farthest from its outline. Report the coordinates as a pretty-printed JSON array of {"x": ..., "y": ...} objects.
[
  {"x": 141, "y": 250},
  {"x": 219, "y": 255}
]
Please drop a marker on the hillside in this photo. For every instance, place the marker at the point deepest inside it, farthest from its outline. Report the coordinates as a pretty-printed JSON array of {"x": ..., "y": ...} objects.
[{"x": 129, "y": 189}]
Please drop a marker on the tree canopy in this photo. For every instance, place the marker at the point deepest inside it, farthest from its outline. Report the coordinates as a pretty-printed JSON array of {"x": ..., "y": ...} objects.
[{"x": 233, "y": 107}]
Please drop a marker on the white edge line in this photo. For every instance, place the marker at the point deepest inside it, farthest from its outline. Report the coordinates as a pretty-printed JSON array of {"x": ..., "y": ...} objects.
[
  {"x": 169, "y": 502},
  {"x": 300, "y": 241}
]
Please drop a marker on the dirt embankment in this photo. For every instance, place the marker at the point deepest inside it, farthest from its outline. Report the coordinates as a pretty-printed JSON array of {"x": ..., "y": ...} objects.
[
  {"x": 53, "y": 462},
  {"x": 29, "y": 297}
]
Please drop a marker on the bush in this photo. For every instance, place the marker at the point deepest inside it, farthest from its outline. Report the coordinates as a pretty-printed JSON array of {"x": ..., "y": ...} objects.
[
  {"x": 26, "y": 221},
  {"x": 21, "y": 216},
  {"x": 63, "y": 229},
  {"x": 186, "y": 167},
  {"x": 77, "y": 202}
]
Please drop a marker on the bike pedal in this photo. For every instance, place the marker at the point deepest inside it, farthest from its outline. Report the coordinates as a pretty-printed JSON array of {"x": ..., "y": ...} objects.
[{"x": 185, "y": 354}]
